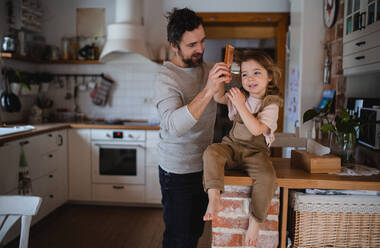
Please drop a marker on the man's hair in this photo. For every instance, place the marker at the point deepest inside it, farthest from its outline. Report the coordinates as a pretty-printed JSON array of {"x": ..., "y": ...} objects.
[{"x": 180, "y": 21}]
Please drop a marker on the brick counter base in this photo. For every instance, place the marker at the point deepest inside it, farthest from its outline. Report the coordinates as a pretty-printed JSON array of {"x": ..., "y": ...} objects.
[{"x": 228, "y": 229}]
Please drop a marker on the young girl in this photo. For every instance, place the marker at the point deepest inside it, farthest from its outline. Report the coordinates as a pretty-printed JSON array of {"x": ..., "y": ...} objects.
[{"x": 254, "y": 113}]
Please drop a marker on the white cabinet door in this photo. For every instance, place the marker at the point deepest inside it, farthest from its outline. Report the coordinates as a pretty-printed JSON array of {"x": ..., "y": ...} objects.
[
  {"x": 152, "y": 187},
  {"x": 79, "y": 172},
  {"x": 9, "y": 159}
]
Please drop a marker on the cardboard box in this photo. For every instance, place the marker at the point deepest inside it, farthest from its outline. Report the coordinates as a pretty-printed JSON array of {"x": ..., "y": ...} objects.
[{"x": 314, "y": 163}]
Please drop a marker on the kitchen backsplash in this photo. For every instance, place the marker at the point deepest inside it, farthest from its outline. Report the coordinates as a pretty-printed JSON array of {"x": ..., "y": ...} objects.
[{"x": 131, "y": 95}]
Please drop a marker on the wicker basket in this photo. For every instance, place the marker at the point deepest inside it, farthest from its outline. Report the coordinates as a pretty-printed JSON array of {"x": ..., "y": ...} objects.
[{"x": 335, "y": 220}]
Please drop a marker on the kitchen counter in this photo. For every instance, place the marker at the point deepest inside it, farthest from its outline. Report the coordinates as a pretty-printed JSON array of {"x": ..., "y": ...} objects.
[
  {"x": 43, "y": 128},
  {"x": 39, "y": 129}
]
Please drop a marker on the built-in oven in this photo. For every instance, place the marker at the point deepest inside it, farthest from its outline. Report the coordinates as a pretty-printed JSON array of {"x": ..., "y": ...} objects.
[{"x": 118, "y": 156}]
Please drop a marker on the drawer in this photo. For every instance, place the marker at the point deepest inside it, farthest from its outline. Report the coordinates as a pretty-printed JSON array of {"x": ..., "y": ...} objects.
[
  {"x": 366, "y": 42},
  {"x": 369, "y": 56},
  {"x": 46, "y": 163},
  {"x": 118, "y": 193},
  {"x": 45, "y": 186}
]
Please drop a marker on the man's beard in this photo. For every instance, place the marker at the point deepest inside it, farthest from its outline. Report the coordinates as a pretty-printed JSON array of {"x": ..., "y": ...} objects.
[{"x": 189, "y": 62}]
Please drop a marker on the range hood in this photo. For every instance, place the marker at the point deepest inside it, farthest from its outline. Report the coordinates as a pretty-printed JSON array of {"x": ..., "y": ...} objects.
[{"x": 126, "y": 38}]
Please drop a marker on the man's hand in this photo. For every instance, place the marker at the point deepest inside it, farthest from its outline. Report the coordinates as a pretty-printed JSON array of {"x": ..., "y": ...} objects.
[
  {"x": 218, "y": 75},
  {"x": 236, "y": 97}
]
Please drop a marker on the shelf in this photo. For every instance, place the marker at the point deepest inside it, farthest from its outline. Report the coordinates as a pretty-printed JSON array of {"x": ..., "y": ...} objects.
[{"x": 39, "y": 61}]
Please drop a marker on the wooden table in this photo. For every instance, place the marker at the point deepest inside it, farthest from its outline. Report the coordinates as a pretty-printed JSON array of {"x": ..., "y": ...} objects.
[{"x": 290, "y": 178}]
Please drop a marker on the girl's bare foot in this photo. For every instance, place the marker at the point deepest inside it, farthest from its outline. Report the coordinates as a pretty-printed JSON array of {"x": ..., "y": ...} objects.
[
  {"x": 252, "y": 233},
  {"x": 213, "y": 204}
]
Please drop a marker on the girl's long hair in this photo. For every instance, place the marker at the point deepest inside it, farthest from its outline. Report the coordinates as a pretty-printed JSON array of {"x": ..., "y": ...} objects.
[{"x": 265, "y": 61}]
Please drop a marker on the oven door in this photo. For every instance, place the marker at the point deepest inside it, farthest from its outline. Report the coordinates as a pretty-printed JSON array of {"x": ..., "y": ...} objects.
[{"x": 118, "y": 162}]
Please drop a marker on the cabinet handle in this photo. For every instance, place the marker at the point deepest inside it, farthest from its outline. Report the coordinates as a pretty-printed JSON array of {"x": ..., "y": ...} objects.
[
  {"x": 118, "y": 187},
  {"x": 60, "y": 142},
  {"x": 360, "y": 57},
  {"x": 50, "y": 135},
  {"x": 362, "y": 20},
  {"x": 361, "y": 43},
  {"x": 50, "y": 176},
  {"x": 50, "y": 155},
  {"x": 51, "y": 196},
  {"x": 22, "y": 143}
]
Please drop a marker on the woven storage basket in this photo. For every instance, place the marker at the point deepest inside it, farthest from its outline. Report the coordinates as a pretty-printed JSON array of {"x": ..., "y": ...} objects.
[{"x": 335, "y": 220}]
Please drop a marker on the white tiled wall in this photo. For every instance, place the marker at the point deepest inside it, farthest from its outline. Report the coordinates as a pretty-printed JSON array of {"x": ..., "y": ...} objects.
[{"x": 131, "y": 96}]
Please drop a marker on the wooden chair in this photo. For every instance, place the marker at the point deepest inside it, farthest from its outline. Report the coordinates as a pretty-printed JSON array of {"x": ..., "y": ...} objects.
[
  {"x": 14, "y": 207},
  {"x": 287, "y": 140}
]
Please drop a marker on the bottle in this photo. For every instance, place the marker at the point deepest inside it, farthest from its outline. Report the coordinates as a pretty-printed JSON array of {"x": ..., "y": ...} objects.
[
  {"x": 65, "y": 48},
  {"x": 326, "y": 71}
]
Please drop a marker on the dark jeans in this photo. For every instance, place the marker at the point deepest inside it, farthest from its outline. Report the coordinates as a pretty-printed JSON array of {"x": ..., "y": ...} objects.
[{"x": 184, "y": 204}]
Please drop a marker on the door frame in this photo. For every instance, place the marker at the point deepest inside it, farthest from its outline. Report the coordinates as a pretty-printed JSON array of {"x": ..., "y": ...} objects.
[{"x": 279, "y": 21}]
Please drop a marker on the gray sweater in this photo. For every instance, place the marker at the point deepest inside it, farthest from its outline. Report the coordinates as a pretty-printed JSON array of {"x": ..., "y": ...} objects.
[{"x": 182, "y": 138}]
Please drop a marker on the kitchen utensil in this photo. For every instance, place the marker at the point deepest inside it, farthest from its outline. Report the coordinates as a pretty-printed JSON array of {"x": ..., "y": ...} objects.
[
  {"x": 76, "y": 107},
  {"x": 92, "y": 83},
  {"x": 83, "y": 85},
  {"x": 8, "y": 45},
  {"x": 9, "y": 101},
  {"x": 68, "y": 92},
  {"x": 13, "y": 101}
]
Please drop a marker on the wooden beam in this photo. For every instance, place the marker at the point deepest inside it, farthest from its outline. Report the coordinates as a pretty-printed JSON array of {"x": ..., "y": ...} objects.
[
  {"x": 242, "y": 17},
  {"x": 240, "y": 32}
]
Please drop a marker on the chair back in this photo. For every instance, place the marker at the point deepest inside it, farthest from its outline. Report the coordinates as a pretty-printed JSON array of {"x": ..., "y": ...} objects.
[{"x": 15, "y": 207}]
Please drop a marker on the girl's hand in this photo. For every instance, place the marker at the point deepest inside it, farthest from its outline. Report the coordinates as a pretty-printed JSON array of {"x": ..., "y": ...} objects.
[{"x": 236, "y": 97}]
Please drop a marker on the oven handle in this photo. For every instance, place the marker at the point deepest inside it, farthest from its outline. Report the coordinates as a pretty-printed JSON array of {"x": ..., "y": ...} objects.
[{"x": 119, "y": 145}]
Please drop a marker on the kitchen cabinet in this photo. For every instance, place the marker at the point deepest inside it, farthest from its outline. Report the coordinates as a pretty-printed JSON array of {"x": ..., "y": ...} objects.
[
  {"x": 152, "y": 187},
  {"x": 51, "y": 184},
  {"x": 361, "y": 37},
  {"x": 48, "y": 173},
  {"x": 79, "y": 164},
  {"x": 9, "y": 155}
]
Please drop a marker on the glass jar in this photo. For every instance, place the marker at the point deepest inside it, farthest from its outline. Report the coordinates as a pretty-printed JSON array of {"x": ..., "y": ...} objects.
[
  {"x": 343, "y": 146},
  {"x": 65, "y": 48}
]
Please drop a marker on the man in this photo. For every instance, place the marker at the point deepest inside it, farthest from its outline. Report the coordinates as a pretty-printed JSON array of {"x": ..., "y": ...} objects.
[{"x": 184, "y": 90}]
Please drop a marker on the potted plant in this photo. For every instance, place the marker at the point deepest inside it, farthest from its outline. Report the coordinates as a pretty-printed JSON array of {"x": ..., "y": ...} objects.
[{"x": 342, "y": 130}]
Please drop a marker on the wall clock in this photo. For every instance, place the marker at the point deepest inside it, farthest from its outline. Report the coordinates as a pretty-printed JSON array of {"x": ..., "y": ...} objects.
[{"x": 330, "y": 10}]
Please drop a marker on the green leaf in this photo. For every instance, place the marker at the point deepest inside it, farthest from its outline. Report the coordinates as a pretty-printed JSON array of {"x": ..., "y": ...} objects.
[
  {"x": 309, "y": 114},
  {"x": 26, "y": 86},
  {"x": 328, "y": 127},
  {"x": 345, "y": 115}
]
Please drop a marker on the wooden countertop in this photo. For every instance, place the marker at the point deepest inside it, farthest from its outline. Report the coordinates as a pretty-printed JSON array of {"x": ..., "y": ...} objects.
[
  {"x": 39, "y": 129},
  {"x": 299, "y": 179},
  {"x": 106, "y": 126},
  {"x": 43, "y": 128}
]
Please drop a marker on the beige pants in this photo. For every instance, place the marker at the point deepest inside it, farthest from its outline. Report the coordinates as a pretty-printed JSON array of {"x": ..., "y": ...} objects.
[{"x": 255, "y": 162}]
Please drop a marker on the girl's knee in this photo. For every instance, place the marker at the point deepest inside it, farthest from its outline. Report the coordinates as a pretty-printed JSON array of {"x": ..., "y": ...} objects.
[
  {"x": 268, "y": 175},
  {"x": 211, "y": 151}
]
